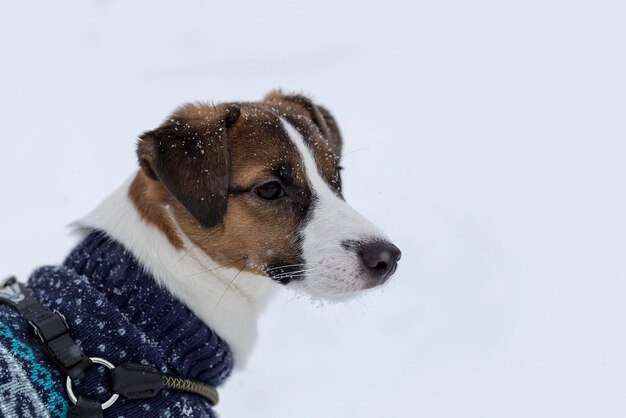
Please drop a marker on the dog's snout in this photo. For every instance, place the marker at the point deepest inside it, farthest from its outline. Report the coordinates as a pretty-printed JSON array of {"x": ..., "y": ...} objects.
[{"x": 380, "y": 258}]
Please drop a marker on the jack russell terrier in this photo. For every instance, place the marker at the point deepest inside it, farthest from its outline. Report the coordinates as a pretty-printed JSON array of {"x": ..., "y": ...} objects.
[{"x": 232, "y": 201}]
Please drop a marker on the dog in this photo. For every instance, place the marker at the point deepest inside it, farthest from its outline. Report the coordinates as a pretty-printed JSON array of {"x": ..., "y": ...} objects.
[{"x": 231, "y": 202}]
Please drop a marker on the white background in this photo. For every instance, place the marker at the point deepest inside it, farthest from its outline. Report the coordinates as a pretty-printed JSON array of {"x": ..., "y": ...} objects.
[{"x": 487, "y": 138}]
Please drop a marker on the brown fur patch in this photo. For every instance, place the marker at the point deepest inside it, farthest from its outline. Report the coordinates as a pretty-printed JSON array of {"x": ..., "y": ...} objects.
[{"x": 150, "y": 199}]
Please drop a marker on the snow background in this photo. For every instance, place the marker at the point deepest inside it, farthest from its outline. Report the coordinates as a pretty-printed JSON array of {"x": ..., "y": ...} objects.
[{"x": 487, "y": 138}]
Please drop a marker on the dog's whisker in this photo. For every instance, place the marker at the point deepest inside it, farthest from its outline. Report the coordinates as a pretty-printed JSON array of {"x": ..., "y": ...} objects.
[
  {"x": 294, "y": 277},
  {"x": 287, "y": 273},
  {"x": 285, "y": 266},
  {"x": 218, "y": 267},
  {"x": 195, "y": 245},
  {"x": 226, "y": 290},
  {"x": 353, "y": 151},
  {"x": 295, "y": 273},
  {"x": 291, "y": 275}
]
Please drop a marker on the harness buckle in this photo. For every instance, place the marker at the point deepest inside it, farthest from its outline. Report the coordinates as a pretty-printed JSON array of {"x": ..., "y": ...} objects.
[{"x": 50, "y": 327}]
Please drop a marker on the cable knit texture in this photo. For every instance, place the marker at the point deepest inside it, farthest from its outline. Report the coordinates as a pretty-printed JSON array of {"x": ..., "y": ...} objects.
[{"x": 117, "y": 311}]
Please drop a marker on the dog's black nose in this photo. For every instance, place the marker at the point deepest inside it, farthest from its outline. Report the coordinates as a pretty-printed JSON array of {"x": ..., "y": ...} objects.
[{"x": 380, "y": 258}]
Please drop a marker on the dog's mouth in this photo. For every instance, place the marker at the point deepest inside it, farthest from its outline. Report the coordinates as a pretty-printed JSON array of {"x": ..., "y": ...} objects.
[{"x": 285, "y": 273}]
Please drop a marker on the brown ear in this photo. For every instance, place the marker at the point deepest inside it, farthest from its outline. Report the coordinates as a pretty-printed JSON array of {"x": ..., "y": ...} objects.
[
  {"x": 189, "y": 154},
  {"x": 334, "y": 135},
  {"x": 322, "y": 118}
]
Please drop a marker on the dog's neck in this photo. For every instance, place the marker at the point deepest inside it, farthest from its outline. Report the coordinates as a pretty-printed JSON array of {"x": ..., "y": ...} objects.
[{"x": 225, "y": 298}]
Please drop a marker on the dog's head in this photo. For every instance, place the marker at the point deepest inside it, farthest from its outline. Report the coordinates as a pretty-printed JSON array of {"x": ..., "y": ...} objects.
[{"x": 258, "y": 186}]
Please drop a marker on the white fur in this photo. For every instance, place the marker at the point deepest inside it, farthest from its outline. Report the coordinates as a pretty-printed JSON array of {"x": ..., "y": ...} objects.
[
  {"x": 231, "y": 309},
  {"x": 335, "y": 272}
]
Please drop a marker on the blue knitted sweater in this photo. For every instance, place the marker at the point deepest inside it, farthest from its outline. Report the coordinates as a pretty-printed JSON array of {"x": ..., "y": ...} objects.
[{"x": 116, "y": 311}]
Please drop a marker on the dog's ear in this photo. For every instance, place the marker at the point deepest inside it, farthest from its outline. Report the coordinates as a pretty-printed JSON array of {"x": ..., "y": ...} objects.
[
  {"x": 322, "y": 118},
  {"x": 189, "y": 154}
]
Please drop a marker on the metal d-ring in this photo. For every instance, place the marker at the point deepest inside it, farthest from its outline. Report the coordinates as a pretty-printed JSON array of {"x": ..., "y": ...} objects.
[{"x": 70, "y": 391}]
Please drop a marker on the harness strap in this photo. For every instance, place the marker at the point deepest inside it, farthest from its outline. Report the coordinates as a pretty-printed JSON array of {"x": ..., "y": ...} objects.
[
  {"x": 50, "y": 327},
  {"x": 191, "y": 386},
  {"x": 137, "y": 381}
]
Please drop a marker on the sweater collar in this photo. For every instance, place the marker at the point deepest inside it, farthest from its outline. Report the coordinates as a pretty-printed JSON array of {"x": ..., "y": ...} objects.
[{"x": 190, "y": 347}]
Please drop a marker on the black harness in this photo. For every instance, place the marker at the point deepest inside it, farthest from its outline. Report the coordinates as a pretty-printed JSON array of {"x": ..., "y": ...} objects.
[{"x": 129, "y": 380}]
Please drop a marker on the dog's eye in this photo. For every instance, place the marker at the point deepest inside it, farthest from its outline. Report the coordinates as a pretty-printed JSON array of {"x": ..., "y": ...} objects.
[{"x": 270, "y": 190}]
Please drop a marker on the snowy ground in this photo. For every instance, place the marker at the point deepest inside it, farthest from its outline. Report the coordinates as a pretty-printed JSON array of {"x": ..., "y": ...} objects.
[{"x": 488, "y": 138}]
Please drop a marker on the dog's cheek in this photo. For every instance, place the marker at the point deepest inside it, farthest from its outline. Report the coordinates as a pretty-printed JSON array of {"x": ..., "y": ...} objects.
[
  {"x": 257, "y": 236},
  {"x": 275, "y": 243},
  {"x": 281, "y": 254}
]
